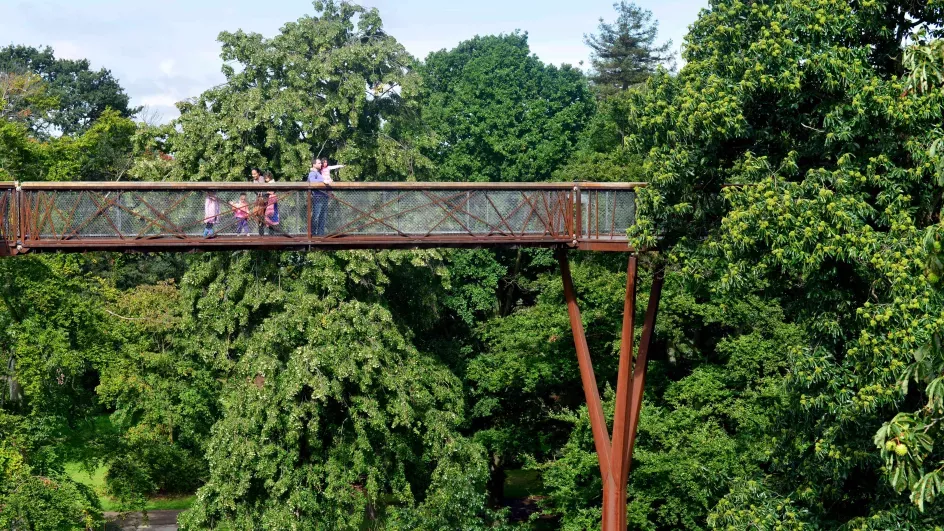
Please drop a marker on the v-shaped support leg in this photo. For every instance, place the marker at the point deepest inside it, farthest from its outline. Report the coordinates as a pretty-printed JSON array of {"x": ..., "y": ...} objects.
[{"x": 615, "y": 455}]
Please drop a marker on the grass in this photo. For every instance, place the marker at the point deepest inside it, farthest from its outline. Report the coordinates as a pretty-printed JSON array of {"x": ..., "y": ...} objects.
[{"x": 96, "y": 480}]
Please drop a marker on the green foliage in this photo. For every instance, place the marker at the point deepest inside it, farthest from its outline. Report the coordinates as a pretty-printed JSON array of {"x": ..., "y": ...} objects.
[
  {"x": 81, "y": 95},
  {"x": 102, "y": 152},
  {"x": 23, "y": 97},
  {"x": 498, "y": 113},
  {"x": 474, "y": 277},
  {"x": 750, "y": 504},
  {"x": 801, "y": 102},
  {"x": 624, "y": 53},
  {"x": 43, "y": 503},
  {"x": 323, "y": 86},
  {"x": 603, "y": 154},
  {"x": 18, "y": 153},
  {"x": 330, "y": 414}
]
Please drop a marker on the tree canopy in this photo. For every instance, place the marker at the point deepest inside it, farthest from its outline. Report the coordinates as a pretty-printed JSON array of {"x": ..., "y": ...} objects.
[
  {"x": 81, "y": 95},
  {"x": 497, "y": 113},
  {"x": 832, "y": 213},
  {"x": 323, "y": 86}
]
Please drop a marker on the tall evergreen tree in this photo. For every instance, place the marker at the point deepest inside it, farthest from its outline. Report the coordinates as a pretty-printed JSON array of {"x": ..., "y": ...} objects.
[{"x": 625, "y": 53}]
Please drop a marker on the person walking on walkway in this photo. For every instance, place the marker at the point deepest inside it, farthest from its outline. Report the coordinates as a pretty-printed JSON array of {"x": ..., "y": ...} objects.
[
  {"x": 258, "y": 212},
  {"x": 241, "y": 213},
  {"x": 211, "y": 214},
  {"x": 272, "y": 214},
  {"x": 319, "y": 198}
]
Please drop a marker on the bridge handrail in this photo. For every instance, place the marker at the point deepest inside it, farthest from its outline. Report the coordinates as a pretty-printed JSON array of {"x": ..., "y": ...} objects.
[{"x": 355, "y": 185}]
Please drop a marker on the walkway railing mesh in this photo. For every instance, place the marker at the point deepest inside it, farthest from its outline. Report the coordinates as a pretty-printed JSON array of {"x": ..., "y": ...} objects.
[{"x": 142, "y": 215}]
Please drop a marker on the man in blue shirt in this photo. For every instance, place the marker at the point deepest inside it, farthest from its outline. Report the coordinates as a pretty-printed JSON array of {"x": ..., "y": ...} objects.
[{"x": 319, "y": 200}]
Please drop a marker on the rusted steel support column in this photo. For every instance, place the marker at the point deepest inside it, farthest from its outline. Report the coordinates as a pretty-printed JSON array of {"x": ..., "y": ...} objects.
[
  {"x": 621, "y": 452},
  {"x": 615, "y": 457},
  {"x": 639, "y": 374},
  {"x": 601, "y": 438}
]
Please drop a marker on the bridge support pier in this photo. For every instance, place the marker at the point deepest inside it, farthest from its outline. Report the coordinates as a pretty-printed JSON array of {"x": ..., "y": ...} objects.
[{"x": 615, "y": 455}]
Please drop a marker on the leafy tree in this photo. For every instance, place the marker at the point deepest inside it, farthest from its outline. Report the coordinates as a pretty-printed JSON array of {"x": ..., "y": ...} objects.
[
  {"x": 323, "y": 86},
  {"x": 163, "y": 401},
  {"x": 83, "y": 94},
  {"x": 30, "y": 501},
  {"x": 23, "y": 97},
  {"x": 498, "y": 113},
  {"x": 52, "y": 341},
  {"x": 331, "y": 417},
  {"x": 624, "y": 53},
  {"x": 103, "y": 152},
  {"x": 835, "y": 208},
  {"x": 603, "y": 155}
]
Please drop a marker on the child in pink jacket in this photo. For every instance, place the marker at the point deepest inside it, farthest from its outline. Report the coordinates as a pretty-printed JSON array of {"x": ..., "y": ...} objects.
[{"x": 211, "y": 214}]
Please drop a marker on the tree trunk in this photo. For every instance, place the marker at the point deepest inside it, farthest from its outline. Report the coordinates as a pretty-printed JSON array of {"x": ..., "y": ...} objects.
[
  {"x": 507, "y": 300},
  {"x": 496, "y": 480}
]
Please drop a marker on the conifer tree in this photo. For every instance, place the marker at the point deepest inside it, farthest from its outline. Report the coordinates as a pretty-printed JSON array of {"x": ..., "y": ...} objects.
[{"x": 625, "y": 53}]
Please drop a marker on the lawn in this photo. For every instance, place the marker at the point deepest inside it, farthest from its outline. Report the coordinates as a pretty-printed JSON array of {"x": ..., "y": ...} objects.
[
  {"x": 78, "y": 449},
  {"x": 96, "y": 480}
]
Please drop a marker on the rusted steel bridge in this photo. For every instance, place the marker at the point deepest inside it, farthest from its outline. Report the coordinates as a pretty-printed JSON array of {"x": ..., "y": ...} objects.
[
  {"x": 173, "y": 217},
  {"x": 137, "y": 216}
]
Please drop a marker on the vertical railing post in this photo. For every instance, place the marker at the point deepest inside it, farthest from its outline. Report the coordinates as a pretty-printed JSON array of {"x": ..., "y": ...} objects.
[
  {"x": 578, "y": 213},
  {"x": 309, "y": 221},
  {"x": 21, "y": 215},
  {"x": 6, "y": 209}
]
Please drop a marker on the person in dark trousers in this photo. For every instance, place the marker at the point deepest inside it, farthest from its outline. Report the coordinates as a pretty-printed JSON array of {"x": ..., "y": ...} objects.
[{"x": 319, "y": 200}]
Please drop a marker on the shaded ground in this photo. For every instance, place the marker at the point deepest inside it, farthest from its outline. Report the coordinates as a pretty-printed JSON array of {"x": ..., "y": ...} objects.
[
  {"x": 157, "y": 521},
  {"x": 523, "y": 494}
]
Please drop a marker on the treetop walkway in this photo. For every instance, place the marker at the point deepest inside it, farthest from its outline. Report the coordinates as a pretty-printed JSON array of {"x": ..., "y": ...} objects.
[{"x": 171, "y": 216}]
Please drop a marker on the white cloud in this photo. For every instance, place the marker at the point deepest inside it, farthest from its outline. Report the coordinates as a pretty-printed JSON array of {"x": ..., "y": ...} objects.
[
  {"x": 158, "y": 100},
  {"x": 67, "y": 50},
  {"x": 167, "y": 67}
]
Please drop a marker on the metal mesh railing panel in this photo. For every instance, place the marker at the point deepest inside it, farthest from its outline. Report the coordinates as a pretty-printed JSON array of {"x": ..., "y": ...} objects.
[
  {"x": 8, "y": 218},
  {"x": 136, "y": 214},
  {"x": 607, "y": 214},
  {"x": 349, "y": 214},
  {"x": 425, "y": 213}
]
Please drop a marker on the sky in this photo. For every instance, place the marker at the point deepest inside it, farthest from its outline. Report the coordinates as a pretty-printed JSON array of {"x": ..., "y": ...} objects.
[{"x": 164, "y": 52}]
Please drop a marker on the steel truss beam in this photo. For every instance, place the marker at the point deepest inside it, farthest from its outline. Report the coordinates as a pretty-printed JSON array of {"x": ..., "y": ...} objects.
[{"x": 615, "y": 455}]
